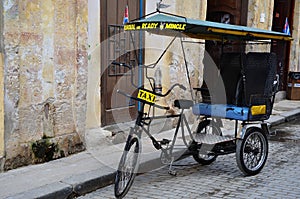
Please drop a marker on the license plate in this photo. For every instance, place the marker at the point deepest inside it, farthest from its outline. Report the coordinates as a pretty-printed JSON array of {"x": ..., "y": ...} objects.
[{"x": 146, "y": 96}]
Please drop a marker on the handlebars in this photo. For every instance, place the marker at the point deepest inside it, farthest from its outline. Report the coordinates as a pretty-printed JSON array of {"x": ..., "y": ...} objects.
[
  {"x": 172, "y": 87},
  {"x": 137, "y": 99},
  {"x": 152, "y": 92},
  {"x": 157, "y": 94}
]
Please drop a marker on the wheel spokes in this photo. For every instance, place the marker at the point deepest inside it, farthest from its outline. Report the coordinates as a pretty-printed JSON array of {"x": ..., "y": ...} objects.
[
  {"x": 253, "y": 151},
  {"x": 127, "y": 168}
]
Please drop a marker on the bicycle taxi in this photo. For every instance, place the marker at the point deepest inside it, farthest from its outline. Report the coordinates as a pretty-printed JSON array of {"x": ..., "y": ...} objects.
[{"x": 248, "y": 82}]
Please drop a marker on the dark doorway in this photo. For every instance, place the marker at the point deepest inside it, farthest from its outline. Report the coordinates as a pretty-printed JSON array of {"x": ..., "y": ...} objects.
[
  {"x": 225, "y": 11},
  {"x": 282, "y": 9},
  {"x": 119, "y": 46},
  {"x": 237, "y": 9}
]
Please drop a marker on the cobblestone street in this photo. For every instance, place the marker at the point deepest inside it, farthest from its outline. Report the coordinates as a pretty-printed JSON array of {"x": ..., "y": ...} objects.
[{"x": 279, "y": 178}]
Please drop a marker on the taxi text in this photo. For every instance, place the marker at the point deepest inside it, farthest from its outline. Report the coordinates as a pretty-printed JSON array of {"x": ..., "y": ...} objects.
[{"x": 146, "y": 96}]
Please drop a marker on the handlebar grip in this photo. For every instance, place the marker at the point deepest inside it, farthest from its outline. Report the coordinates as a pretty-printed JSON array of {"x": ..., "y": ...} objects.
[
  {"x": 121, "y": 64},
  {"x": 182, "y": 87},
  {"x": 122, "y": 93},
  {"x": 162, "y": 107}
]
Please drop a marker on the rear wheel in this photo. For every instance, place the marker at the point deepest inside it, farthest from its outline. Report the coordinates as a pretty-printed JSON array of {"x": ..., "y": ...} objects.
[
  {"x": 202, "y": 155},
  {"x": 252, "y": 151},
  {"x": 128, "y": 167}
]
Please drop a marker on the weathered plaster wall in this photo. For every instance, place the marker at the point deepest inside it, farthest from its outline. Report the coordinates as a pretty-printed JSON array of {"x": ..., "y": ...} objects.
[
  {"x": 260, "y": 15},
  {"x": 93, "y": 92},
  {"x": 295, "y": 47},
  {"x": 1, "y": 91},
  {"x": 172, "y": 64},
  {"x": 194, "y": 52},
  {"x": 258, "y": 8},
  {"x": 45, "y": 45},
  {"x": 1, "y": 106}
]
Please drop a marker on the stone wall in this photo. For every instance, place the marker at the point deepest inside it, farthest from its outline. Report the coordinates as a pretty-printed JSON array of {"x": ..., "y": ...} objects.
[
  {"x": 172, "y": 65},
  {"x": 1, "y": 92},
  {"x": 1, "y": 108},
  {"x": 295, "y": 47},
  {"x": 45, "y": 47},
  {"x": 260, "y": 15},
  {"x": 257, "y": 9},
  {"x": 94, "y": 58}
]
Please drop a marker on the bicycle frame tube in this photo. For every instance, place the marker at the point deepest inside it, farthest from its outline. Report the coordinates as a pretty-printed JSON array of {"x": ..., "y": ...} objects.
[{"x": 141, "y": 121}]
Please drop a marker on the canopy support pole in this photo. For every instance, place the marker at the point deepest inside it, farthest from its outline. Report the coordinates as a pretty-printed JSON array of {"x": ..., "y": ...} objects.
[
  {"x": 140, "y": 59},
  {"x": 187, "y": 69}
]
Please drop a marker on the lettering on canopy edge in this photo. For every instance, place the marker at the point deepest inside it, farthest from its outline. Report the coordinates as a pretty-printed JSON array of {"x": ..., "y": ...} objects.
[
  {"x": 146, "y": 96},
  {"x": 129, "y": 27},
  {"x": 155, "y": 25},
  {"x": 174, "y": 26}
]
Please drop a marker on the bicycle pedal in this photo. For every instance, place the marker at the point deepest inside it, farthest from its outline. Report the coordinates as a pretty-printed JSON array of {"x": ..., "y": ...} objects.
[
  {"x": 172, "y": 173},
  {"x": 164, "y": 141}
]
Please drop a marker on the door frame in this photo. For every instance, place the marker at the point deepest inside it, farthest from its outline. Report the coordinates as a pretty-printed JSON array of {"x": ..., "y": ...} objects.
[
  {"x": 286, "y": 45},
  {"x": 106, "y": 116}
]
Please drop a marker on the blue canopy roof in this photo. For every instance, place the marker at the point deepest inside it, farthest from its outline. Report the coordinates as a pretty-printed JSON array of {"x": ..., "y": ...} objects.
[{"x": 161, "y": 23}]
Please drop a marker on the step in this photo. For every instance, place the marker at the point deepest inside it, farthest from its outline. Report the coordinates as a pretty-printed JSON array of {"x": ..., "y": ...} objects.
[{"x": 212, "y": 139}]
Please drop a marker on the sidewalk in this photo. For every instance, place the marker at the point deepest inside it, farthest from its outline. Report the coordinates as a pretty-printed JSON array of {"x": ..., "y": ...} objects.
[{"x": 86, "y": 171}]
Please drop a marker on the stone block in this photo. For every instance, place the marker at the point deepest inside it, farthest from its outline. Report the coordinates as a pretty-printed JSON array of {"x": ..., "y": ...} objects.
[
  {"x": 65, "y": 57},
  {"x": 31, "y": 39}
]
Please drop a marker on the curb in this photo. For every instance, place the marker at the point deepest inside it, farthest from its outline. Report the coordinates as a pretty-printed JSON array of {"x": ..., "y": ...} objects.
[
  {"x": 284, "y": 117},
  {"x": 70, "y": 187},
  {"x": 54, "y": 190},
  {"x": 291, "y": 115},
  {"x": 90, "y": 181}
]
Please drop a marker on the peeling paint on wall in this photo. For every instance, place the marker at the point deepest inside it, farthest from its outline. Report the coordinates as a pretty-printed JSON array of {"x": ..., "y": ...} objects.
[
  {"x": 295, "y": 45},
  {"x": 2, "y": 148},
  {"x": 46, "y": 76}
]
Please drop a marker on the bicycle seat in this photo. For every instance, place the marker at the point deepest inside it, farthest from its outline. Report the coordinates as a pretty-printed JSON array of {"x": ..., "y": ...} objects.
[{"x": 183, "y": 103}]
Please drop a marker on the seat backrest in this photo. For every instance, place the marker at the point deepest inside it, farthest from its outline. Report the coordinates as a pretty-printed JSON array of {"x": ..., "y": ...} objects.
[
  {"x": 210, "y": 74},
  {"x": 260, "y": 72},
  {"x": 230, "y": 71}
]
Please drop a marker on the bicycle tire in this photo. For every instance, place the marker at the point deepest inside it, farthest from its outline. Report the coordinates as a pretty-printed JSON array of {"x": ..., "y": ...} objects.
[
  {"x": 126, "y": 172},
  {"x": 252, "y": 151},
  {"x": 203, "y": 128}
]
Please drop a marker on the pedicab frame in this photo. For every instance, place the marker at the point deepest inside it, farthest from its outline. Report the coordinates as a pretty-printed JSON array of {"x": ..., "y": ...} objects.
[{"x": 250, "y": 140}]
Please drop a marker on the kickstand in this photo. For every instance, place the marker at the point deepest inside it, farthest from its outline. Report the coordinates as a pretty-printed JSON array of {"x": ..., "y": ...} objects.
[{"x": 172, "y": 172}]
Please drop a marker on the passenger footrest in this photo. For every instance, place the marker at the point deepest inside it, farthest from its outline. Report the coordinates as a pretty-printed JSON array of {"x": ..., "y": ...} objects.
[{"x": 211, "y": 139}]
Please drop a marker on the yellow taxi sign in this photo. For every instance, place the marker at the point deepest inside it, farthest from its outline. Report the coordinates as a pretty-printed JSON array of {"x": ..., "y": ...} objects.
[
  {"x": 146, "y": 96},
  {"x": 259, "y": 110}
]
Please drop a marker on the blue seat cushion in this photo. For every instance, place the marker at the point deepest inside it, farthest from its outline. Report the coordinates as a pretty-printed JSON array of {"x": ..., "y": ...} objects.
[{"x": 222, "y": 110}]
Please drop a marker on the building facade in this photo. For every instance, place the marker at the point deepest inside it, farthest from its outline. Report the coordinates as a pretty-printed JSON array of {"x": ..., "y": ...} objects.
[
  {"x": 55, "y": 82},
  {"x": 44, "y": 70}
]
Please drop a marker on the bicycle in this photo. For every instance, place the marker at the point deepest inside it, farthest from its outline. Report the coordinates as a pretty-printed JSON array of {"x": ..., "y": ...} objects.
[{"x": 129, "y": 163}]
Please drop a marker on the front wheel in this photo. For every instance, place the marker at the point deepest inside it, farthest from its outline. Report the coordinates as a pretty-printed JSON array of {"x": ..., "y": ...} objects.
[
  {"x": 128, "y": 167},
  {"x": 252, "y": 151}
]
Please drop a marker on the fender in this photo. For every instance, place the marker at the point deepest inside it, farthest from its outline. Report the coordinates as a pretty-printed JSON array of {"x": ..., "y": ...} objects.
[{"x": 243, "y": 128}]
